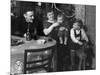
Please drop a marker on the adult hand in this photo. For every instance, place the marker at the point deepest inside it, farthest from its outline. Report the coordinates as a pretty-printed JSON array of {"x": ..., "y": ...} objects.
[
  {"x": 46, "y": 31},
  {"x": 25, "y": 35}
]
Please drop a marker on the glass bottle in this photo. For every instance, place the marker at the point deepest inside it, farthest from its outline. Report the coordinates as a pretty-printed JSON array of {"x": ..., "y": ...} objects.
[{"x": 28, "y": 36}]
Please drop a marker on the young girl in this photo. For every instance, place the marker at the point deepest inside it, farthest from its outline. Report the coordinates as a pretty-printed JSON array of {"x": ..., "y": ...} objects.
[{"x": 62, "y": 31}]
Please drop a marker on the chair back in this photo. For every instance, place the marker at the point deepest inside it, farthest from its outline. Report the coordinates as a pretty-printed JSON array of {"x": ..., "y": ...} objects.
[{"x": 36, "y": 60}]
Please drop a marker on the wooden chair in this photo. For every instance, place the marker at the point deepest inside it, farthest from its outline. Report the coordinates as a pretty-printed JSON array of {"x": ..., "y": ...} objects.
[
  {"x": 82, "y": 57},
  {"x": 81, "y": 54},
  {"x": 41, "y": 60}
]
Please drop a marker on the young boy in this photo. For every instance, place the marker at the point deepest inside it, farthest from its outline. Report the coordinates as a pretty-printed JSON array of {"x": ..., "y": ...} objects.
[
  {"x": 62, "y": 30},
  {"x": 78, "y": 37}
]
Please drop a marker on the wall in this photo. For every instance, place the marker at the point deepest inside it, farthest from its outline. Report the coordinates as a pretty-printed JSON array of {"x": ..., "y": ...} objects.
[
  {"x": 91, "y": 21},
  {"x": 80, "y": 12}
]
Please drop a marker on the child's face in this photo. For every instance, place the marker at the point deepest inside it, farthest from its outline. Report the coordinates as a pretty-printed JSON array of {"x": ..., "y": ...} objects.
[
  {"x": 60, "y": 19},
  {"x": 76, "y": 26},
  {"x": 50, "y": 16}
]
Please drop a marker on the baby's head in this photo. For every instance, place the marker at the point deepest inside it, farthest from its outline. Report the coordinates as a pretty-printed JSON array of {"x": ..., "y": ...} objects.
[
  {"x": 60, "y": 18},
  {"x": 78, "y": 24}
]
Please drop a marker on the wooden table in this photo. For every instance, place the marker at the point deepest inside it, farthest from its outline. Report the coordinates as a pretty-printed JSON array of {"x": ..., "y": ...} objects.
[{"x": 17, "y": 52}]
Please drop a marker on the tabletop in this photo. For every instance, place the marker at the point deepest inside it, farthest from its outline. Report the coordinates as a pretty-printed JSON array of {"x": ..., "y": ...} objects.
[{"x": 33, "y": 44}]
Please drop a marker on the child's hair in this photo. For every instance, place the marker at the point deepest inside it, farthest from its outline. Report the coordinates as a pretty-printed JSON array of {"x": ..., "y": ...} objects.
[
  {"x": 60, "y": 15},
  {"x": 80, "y": 23}
]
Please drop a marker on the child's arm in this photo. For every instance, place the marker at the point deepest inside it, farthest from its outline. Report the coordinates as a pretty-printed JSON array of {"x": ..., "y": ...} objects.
[{"x": 72, "y": 35}]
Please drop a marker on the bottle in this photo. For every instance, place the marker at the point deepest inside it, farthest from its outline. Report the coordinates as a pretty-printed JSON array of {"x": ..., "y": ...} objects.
[{"x": 28, "y": 36}]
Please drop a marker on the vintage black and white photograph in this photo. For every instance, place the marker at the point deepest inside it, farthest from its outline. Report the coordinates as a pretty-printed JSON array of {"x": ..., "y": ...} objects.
[{"x": 52, "y": 37}]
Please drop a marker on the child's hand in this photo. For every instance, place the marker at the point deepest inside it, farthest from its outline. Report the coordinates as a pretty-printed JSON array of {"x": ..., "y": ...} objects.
[
  {"x": 66, "y": 29},
  {"x": 61, "y": 28},
  {"x": 80, "y": 43}
]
